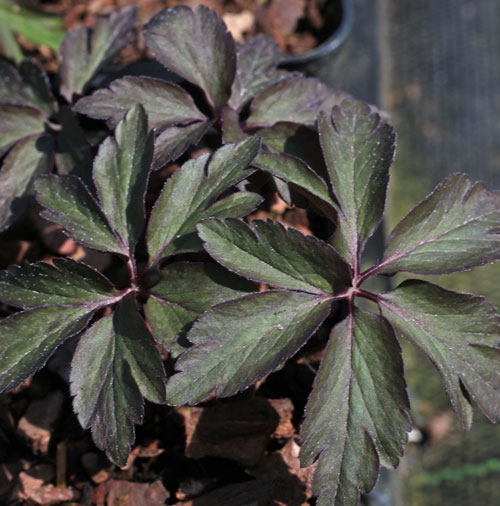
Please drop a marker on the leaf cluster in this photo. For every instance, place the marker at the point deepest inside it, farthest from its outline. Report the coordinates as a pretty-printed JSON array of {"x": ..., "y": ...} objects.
[{"x": 322, "y": 149}]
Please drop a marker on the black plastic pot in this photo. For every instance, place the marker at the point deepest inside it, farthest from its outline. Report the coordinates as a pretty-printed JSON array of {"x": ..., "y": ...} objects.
[{"x": 336, "y": 38}]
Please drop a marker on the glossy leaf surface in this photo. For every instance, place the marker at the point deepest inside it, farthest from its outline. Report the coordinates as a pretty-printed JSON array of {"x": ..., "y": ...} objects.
[
  {"x": 358, "y": 148},
  {"x": 356, "y": 416},
  {"x": 84, "y": 52},
  {"x": 240, "y": 341},
  {"x": 189, "y": 193},
  {"x": 459, "y": 333},
  {"x": 269, "y": 253},
  {"x": 121, "y": 171},
  {"x": 166, "y": 103},
  {"x": 29, "y": 158},
  {"x": 66, "y": 282},
  {"x": 184, "y": 292},
  {"x": 455, "y": 228},
  {"x": 195, "y": 44},
  {"x": 115, "y": 365},
  {"x": 29, "y": 339},
  {"x": 69, "y": 203}
]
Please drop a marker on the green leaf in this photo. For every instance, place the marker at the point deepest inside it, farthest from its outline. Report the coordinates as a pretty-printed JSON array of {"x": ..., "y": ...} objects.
[
  {"x": 296, "y": 172},
  {"x": 358, "y": 148},
  {"x": 269, "y": 253},
  {"x": 293, "y": 99},
  {"x": 189, "y": 193},
  {"x": 10, "y": 46},
  {"x": 66, "y": 282},
  {"x": 73, "y": 151},
  {"x": 175, "y": 140},
  {"x": 29, "y": 158},
  {"x": 18, "y": 122},
  {"x": 69, "y": 203},
  {"x": 240, "y": 341},
  {"x": 460, "y": 334},
  {"x": 231, "y": 129},
  {"x": 37, "y": 26},
  {"x": 115, "y": 365},
  {"x": 356, "y": 416},
  {"x": 184, "y": 291},
  {"x": 195, "y": 44},
  {"x": 455, "y": 228},
  {"x": 84, "y": 52},
  {"x": 121, "y": 171},
  {"x": 29, "y": 338},
  {"x": 166, "y": 103},
  {"x": 256, "y": 66}
]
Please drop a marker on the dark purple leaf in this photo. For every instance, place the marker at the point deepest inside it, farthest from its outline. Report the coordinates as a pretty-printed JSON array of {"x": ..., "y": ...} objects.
[
  {"x": 460, "y": 334},
  {"x": 84, "y": 52},
  {"x": 195, "y": 44},
  {"x": 166, "y": 103}
]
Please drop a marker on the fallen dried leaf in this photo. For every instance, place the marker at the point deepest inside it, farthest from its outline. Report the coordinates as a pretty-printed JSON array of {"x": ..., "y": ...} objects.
[{"x": 127, "y": 493}]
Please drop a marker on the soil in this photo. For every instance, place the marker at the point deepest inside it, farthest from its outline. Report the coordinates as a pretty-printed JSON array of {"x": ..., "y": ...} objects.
[{"x": 297, "y": 25}]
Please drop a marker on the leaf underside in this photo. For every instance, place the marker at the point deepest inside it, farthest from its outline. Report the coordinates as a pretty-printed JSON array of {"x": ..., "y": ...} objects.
[
  {"x": 459, "y": 333},
  {"x": 240, "y": 341},
  {"x": 115, "y": 365},
  {"x": 356, "y": 416}
]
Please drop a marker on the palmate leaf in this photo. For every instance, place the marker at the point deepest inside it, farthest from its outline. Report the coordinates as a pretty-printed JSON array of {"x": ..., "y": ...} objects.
[
  {"x": 269, "y": 253},
  {"x": 115, "y": 365},
  {"x": 121, "y": 171},
  {"x": 84, "y": 52},
  {"x": 166, "y": 103},
  {"x": 69, "y": 203},
  {"x": 28, "y": 339},
  {"x": 188, "y": 195},
  {"x": 455, "y": 228},
  {"x": 460, "y": 334},
  {"x": 29, "y": 158},
  {"x": 294, "y": 99},
  {"x": 195, "y": 44},
  {"x": 240, "y": 341},
  {"x": 184, "y": 291},
  {"x": 60, "y": 300},
  {"x": 66, "y": 282},
  {"x": 358, "y": 148},
  {"x": 257, "y": 60},
  {"x": 356, "y": 416}
]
